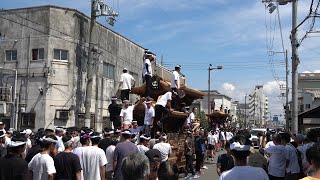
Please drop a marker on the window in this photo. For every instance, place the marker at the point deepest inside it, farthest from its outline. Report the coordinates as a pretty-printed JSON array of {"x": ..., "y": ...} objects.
[
  {"x": 308, "y": 106},
  {"x": 37, "y": 54},
  {"x": 11, "y": 55},
  {"x": 62, "y": 114},
  {"x": 60, "y": 54},
  {"x": 108, "y": 70},
  {"x": 28, "y": 119}
]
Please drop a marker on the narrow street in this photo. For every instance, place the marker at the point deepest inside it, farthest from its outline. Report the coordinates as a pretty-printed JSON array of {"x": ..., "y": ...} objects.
[{"x": 210, "y": 173}]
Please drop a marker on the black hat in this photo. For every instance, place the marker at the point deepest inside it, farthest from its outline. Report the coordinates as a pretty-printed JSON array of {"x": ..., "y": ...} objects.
[{"x": 153, "y": 153}]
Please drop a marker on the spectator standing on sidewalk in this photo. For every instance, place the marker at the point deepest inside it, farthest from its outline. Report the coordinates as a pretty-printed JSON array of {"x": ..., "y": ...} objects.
[
  {"x": 188, "y": 152},
  {"x": 225, "y": 161},
  {"x": 240, "y": 150},
  {"x": 211, "y": 145},
  {"x": 199, "y": 151}
]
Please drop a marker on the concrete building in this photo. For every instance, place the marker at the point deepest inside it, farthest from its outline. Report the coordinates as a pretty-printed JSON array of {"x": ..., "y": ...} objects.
[
  {"x": 48, "y": 46},
  {"x": 309, "y": 100},
  {"x": 258, "y": 104},
  {"x": 221, "y": 101},
  {"x": 309, "y": 91}
]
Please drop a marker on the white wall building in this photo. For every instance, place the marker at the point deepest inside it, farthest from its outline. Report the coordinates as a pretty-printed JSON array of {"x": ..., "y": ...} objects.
[{"x": 258, "y": 104}]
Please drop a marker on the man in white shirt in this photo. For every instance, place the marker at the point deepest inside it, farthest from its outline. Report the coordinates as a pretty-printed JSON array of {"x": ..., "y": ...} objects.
[
  {"x": 277, "y": 159},
  {"x": 135, "y": 130},
  {"x": 147, "y": 71},
  {"x": 109, "y": 156},
  {"x": 143, "y": 146},
  {"x": 93, "y": 159},
  {"x": 229, "y": 135},
  {"x": 175, "y": 78},
  {"x": 148, "y": 117},
  {"x": 211, "y": 144},
  {"x": 42, "y": 164},
  {"x": 240, "y": 150},
  {"x": 126, "y": 115},
  {"x": 164, "y": 148},
  {"x": 125, "y": 81},
  {"x": 162, "y": 106},
  {"x": 293, "y": 168},
  {"x": 59, "y": 131}
]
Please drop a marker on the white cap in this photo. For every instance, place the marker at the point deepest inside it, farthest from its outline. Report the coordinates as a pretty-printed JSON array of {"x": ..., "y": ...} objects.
[
  {"x": 125, "y": 69},
  {"x": 238, "y": 147}
]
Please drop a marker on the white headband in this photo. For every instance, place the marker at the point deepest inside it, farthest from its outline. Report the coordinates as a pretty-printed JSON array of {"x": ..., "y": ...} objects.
[
  {"x": 68, "y": 143},
  {"x": 16, "y": 143},
  {"x": 238, "y": 147},
  {"x": 48, "y": 140},
  {"x": 144, "y": 137}
]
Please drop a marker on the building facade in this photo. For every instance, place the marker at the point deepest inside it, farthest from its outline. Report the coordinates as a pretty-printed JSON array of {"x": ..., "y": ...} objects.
[
  {"x": 221, "y": 101},
  {"x": 48, "y": 46},
  {"x": 258, "y": 104}
]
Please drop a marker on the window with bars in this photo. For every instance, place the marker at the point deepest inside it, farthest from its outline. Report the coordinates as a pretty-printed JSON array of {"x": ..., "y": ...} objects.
[
  {"x": 11, "y": 55},
  {"x": 108, "y": 70},
  {"x": 28, "y": 119},
  {"x": 37, "y": 54},
  {"x": 60, "y": 54}
]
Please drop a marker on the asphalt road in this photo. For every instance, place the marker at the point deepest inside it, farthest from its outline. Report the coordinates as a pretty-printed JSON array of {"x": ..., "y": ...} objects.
[{"x": 210, "y": 173}]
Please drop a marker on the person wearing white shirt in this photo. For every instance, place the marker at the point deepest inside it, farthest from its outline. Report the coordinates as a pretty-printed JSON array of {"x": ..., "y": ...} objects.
[
  {"x": 42, "y": 164},
  {"x": 148, "y": 117},
  {"x": 277, "y": 159},
  {"x": 125, "y": 81},
  {"x": 147, "y": 71},
  {"x": 126, "y": 115},
  {"x": 269, "y": 144},
  {"x": 211, "y": 144},
  {"x": 164, "y": 148},
  {"x": 240, "y": 150},
  {"x": 136, "y": 130},
  {"x": 144, "y": 143},
  {"x": 164, "y": 102},
  {"x": 109, "y": 156},
  {"x": 293, "y": 168},
  {"x": 229, "y": 135},
  {"x": 59, "y": 131},
  {"x": 175, "y": 78}
]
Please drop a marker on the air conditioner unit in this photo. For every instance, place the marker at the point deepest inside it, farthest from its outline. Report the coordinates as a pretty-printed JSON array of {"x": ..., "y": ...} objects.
[{"x": 62, "y": 114}]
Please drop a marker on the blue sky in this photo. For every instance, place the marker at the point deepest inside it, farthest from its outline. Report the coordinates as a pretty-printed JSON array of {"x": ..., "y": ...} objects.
[{"x": 194, "y": 33}]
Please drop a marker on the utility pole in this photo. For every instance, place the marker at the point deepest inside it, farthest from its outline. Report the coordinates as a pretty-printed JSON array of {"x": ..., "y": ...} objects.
[
  {"x": 295, "y": 62},
  {"x": 90, "y": 69},
  {"x": 209, "y": 79},
  {"x": 287, "y": 91},
  {"x": 98, "y": 8},
  {"x": 161, "y": 62},
  {"x": 245, "y": 111}
]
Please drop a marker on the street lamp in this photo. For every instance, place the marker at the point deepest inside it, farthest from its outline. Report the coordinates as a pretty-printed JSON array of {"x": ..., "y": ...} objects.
[
  {"x": 14, "y": 117},
  {"x": 209, "y": 79}
]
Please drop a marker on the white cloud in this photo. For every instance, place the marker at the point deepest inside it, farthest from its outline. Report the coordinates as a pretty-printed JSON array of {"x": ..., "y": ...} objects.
[
  {"x": 316, "y": 71},
  {"x": 228, "y": 87},
  {"x": 272, "y": 88}
]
